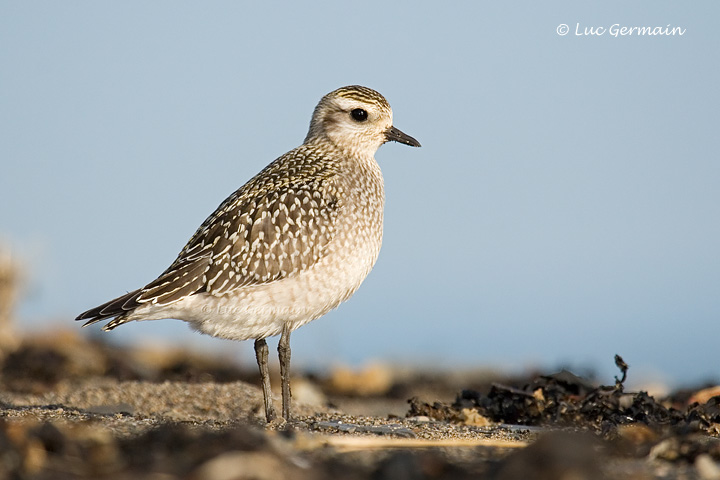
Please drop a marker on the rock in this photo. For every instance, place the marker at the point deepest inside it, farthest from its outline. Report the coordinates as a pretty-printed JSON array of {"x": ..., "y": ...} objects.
[
  {"x": 372, "y": 380},
  {"x": 246, "y": 466},
  {"x": 707, "y": 468},
  {"x": 702, "y": 396},
  {"x": 554, "y": 456}
]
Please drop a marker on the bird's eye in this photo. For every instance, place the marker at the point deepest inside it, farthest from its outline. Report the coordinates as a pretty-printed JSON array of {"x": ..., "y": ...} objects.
[{"x": 359, "y": 115}]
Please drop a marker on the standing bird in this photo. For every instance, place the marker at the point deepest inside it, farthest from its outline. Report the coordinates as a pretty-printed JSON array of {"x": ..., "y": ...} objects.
[{"x": 288, "y": 246}]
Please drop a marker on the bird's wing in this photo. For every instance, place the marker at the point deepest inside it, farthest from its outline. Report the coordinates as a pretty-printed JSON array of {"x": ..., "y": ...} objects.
[
  {"x": 250, "y": 242},
  {"x": 113, "y": 308},
  {"x": 275, "y": 226}
]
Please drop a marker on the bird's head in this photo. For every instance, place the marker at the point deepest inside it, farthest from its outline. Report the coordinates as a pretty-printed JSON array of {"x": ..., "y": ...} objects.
[{"x": 356, "y": 119}]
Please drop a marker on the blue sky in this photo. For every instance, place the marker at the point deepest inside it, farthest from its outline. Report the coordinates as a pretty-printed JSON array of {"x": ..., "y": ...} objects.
[{"x": 564, "y": 207}]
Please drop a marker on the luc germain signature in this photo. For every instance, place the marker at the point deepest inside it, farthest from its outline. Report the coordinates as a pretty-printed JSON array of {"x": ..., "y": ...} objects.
[{"x": 618, "y": 30}]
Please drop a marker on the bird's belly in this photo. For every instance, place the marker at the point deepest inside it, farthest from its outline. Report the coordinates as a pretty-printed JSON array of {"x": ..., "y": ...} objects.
[{"x": 261, "y": 311}]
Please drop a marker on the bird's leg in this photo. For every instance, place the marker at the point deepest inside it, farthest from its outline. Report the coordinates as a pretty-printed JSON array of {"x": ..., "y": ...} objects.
[
  {"x": 284, "y": 354},
  {"x": 261, "y": 352}
]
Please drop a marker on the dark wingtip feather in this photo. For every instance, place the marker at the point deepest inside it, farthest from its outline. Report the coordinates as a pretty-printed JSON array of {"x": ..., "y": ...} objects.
[
  {"x": 89, "y": 322},
  {"x": 113, "y": 308}
]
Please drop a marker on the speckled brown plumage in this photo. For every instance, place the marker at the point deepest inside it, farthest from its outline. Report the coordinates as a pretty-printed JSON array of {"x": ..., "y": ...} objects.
[{"x": 288, "y": 246}]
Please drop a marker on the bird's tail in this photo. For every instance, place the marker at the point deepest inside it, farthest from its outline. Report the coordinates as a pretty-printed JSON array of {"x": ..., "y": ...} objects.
[{"x": 117, "y": 307}]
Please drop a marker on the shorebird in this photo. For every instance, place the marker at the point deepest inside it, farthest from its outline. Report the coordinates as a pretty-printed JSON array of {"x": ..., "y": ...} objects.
[{"x": 287, "y": 247}]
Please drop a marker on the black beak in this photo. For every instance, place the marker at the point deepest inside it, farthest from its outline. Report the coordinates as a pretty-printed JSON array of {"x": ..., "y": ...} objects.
[{"x": 394, "y": 135}]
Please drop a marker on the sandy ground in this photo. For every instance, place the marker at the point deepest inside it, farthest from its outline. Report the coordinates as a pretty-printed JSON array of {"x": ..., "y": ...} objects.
[{"x": 73, "y": 408}]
